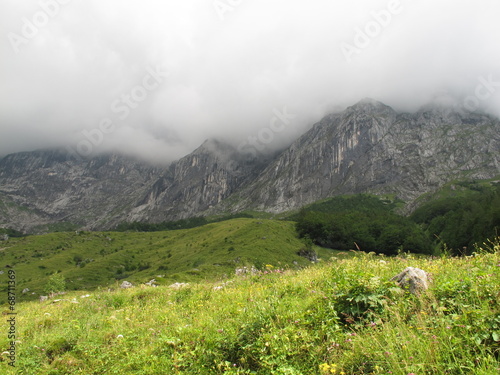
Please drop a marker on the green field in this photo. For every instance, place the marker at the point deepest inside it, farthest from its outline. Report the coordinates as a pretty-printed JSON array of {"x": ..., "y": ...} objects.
[
  {"x": 340, "y": 316},
  {"x": 210, "y": 252}
]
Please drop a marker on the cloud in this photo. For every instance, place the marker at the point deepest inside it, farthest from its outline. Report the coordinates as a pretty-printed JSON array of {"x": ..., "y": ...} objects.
[{"x": 68, "y": 66}]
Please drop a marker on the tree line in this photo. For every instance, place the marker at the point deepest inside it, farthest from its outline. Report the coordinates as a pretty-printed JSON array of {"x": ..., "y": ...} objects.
[
  {"x": 459, "y": 222},
  {"x": 453, "y": 223},
  {"x": 361, "y": 222}
]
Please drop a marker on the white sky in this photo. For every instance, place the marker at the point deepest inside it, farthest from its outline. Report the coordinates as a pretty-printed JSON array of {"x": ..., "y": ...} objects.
[{"x": 68, "y": 65}]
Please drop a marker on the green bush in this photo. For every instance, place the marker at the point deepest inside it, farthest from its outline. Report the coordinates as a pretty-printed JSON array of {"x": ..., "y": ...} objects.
[{"x": 56, "y": 284}]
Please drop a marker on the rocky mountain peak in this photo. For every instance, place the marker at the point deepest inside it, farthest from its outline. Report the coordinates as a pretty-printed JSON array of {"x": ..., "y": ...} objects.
[{"x": 370, "y": 106}]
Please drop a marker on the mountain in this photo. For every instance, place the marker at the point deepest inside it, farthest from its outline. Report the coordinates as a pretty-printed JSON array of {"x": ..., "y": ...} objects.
[
  {"x": 369, "y": 147},
  {"x": 197, "y": 182},
  {"x": 47, "y": 190},
  {"x": 50, "y": 187}
]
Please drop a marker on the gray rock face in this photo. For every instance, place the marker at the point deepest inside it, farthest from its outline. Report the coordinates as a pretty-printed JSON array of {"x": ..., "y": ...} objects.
[
  {"x": 196, "y": 183},
  {"x": 371, "y": 148},
  {"x": 44, "y": 187},
  {"x": 366, "y": 148}
]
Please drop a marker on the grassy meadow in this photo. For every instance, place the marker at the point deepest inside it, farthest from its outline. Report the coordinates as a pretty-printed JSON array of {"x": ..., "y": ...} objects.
[
  {"x": 88, "y": 260},
  {"x": 340, "y": 316}
]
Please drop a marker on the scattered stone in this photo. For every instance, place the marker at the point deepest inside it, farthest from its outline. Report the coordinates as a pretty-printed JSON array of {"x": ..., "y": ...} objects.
[
  {"x": 26, "y": 290},
  {"x": 85, "y": 296},
  {"x": 4, "y": 237},
  {"x": 245, "y": 271},
  {"x": 309, "y": 254},
  {"x": 44, "y": 298},
  {"x": 152, "y": 283},
  {"x": 413, "y": 279},
  {"x": 126, "y": 285},
  {"x": 178, "y": 285}
]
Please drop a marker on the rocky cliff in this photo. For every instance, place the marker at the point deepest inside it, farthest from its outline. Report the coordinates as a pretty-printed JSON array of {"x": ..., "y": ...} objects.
[
  {"x": 50, "y": 187},
  {"x": 369, "y": 147},
  {"x": 197, "y": 182}
]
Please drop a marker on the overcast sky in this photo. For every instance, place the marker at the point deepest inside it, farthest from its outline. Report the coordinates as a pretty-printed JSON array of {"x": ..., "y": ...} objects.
[{"x": 156, "y": 78}]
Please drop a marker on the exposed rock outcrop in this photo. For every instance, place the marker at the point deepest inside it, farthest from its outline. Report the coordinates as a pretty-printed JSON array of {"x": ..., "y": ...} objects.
[
  {"x": 126, "y": 285},
  {"x": 413, "y": 279}
]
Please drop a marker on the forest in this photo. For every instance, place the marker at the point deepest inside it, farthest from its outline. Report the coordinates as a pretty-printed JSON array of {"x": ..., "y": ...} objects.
[{"x": 454, "y": 224}]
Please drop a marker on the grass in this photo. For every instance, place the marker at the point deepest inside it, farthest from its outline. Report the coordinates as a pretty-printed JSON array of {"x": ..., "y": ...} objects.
[
  {"x": 342, "y": 316},
  {"x": 211, "y": 252},
  {"x": 458, "y": 189}
]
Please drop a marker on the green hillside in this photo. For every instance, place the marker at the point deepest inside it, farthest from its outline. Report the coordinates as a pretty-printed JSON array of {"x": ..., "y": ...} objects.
[
  {"x": 461, "y": 215},
  {"x": 361, "y": 221},
  {"x": 342, "y": 316},
  {"x": 91, "y": 259}
]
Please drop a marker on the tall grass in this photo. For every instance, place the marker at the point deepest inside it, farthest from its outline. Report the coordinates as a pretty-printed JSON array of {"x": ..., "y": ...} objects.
[{"x": 342, "y": 316}]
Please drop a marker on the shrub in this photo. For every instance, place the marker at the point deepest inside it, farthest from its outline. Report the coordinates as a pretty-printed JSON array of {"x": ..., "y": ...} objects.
[{"x": 56, "y": 284}]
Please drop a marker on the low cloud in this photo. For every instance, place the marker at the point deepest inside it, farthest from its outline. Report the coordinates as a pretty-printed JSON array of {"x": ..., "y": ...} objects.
[{"x": 226, "y": 67}]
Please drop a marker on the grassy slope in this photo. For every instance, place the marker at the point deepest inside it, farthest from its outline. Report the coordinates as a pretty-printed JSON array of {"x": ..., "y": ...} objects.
[
  {"x": 457, "y": 189},
  {"x": 340, "y": 317},
  {"x": 204, "y": 253}
]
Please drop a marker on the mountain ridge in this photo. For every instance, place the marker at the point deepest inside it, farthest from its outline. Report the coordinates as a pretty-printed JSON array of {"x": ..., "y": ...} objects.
[{"x": 367, "y": 148}]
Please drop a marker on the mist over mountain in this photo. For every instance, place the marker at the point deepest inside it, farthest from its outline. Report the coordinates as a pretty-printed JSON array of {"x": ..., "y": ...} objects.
[
  {"x": 367, "y": 148},
  {"x": 155, "y": 79}
]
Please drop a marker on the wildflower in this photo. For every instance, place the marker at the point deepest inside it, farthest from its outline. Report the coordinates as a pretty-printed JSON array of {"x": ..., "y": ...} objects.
[{"x": 324, "y": 367}]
